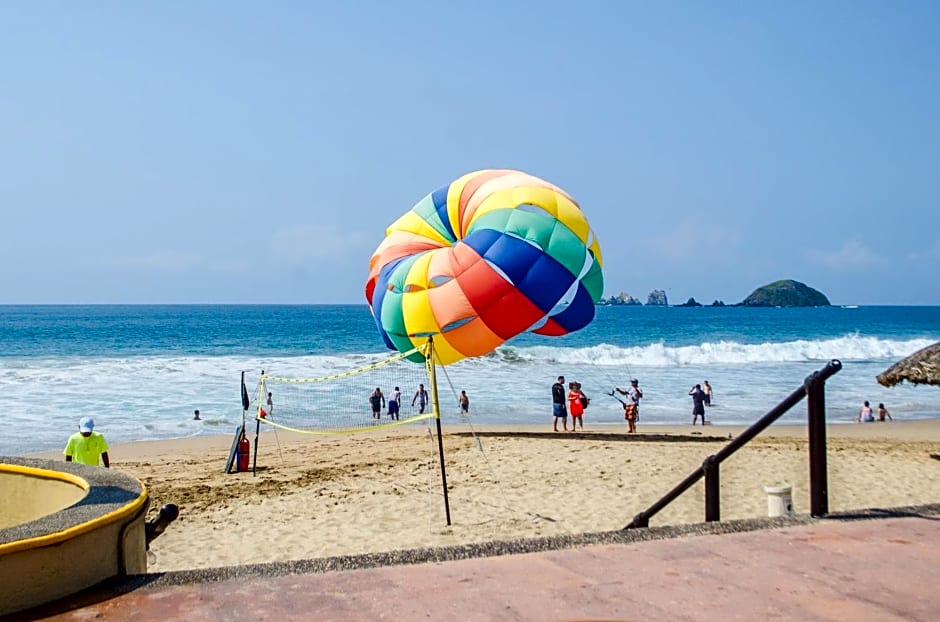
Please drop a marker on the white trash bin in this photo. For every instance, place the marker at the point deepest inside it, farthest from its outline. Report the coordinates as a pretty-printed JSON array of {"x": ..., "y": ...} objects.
[{"x": 779, "y": 501}]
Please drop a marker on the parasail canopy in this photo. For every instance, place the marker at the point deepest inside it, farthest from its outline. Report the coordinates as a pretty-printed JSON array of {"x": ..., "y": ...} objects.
[{"x": 481, "y": 260}]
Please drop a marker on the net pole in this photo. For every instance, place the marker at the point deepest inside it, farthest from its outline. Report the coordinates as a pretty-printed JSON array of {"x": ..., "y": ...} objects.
[
  {"x": 254, "y": 463},
  {"x": 435, "y": 404},
  {"x": 245, "y": 401}
]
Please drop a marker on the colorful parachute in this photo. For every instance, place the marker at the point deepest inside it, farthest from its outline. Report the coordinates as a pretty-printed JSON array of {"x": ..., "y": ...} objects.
[{"x": 493, "y": 254}]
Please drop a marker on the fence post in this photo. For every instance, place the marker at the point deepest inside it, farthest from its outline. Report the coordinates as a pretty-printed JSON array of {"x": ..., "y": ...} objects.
[
  {"x": 818, "y": 476},
  {"x": 712, "y": 489}
]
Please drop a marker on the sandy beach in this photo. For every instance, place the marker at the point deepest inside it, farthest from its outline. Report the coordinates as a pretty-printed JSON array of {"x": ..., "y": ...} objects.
[{"x": 317, "y": 496}]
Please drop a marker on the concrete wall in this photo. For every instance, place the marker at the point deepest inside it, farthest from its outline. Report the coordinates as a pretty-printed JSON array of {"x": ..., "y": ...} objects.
[
  {"x": 41, "y": 575},
  {"x": 98, "y": 536}
]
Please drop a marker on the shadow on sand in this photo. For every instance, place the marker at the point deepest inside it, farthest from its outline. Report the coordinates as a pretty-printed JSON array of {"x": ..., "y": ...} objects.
[
  {"x": 596, "y": 436},
  {"x": 927, "y": 512}
]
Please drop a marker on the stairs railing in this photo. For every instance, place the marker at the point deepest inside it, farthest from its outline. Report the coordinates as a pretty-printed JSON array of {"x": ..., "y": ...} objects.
[{"x": 813, "y": 389}]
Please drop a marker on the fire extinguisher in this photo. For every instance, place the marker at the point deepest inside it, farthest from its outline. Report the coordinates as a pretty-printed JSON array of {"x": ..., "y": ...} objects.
[{"x": 244, "y": 451}]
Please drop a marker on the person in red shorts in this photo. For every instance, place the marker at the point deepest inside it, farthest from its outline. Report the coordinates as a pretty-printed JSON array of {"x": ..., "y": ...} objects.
[{"x": 631, "y": 407}]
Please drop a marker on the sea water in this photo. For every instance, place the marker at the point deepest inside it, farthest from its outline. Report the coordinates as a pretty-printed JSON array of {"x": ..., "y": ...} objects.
[{"x": 140, "y": 371}]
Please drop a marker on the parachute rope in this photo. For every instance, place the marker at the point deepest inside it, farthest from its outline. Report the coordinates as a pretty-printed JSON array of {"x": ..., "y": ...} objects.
[{"x": 466, "y": 419}]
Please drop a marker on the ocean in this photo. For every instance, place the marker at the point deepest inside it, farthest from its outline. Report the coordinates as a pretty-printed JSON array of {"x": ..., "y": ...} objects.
[{"x": 140, "y": 371}]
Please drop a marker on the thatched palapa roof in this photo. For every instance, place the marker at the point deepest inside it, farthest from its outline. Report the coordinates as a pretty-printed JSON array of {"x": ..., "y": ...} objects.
[{"x": 922, "y": 367}]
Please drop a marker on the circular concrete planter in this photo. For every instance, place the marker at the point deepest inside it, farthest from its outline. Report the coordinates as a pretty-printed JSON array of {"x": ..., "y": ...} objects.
[{"x": 65, "y": 527}]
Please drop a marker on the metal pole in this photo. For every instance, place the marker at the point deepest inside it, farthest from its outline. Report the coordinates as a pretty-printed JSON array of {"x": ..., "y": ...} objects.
[
  {"x": 712, "y": 489},
  {"x": 818, "y": 470},
  {"x": 254, "y": 464},
  {"x": 245, "y": 402},
  {"x": 437, "y": 419}
]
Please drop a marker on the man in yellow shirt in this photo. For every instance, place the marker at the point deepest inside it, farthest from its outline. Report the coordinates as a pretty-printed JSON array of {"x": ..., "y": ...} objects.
[{"x": 86, "y": 445}]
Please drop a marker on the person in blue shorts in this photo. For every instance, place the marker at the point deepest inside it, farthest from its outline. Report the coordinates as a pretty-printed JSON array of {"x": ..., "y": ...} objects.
[
  {"x": 394, "y": 404},
  {"x": 559, "y": 404}
]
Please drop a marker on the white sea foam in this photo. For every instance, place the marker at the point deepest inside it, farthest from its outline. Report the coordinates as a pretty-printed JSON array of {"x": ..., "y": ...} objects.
[
  {"x": 846, "y": 348},
  {"x": 136, "y": 398}
]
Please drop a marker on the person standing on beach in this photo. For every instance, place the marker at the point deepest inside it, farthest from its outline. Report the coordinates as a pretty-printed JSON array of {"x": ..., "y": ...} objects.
[
  {"x": 377, "y": 400},
  {"x": 631, "y": 408},
  {"x": 86, "y": 445},
  {"x": 394, "y": 404},
  {"x": 698, "y": 403},
  {"x": 464, "y": 402},
  {"x": 559, "y": 411},
  {"x": 421, "y": 396},
  {"x": 883, "y": 412},
  {"x": 865, "y": 414},
  {"x": 575, "y": 405},
  {"x": 270, "y": 403},
  {"x": 707, "y": 389}
]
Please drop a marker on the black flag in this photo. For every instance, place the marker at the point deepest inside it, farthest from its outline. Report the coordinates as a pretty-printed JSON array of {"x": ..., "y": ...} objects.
[{"x": 245, "y": 401}]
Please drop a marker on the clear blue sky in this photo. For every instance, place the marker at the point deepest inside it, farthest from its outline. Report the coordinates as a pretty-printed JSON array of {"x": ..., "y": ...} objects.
[{"x": 253, "y": 152}]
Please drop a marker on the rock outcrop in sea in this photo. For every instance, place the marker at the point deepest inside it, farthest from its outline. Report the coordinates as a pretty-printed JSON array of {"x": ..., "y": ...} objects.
[
  {"x": 657, "y": 298},
  {"x": 786, "y": 293},
  {"x": 623, "y": 298}
]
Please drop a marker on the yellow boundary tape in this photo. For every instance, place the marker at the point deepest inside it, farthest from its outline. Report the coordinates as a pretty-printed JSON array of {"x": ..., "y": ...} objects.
[
  {"x": 361, "y": 430},
  {"x": 346, "y": 374},
  {"x": 72, "y": 532},
  {"x": 423, "y": 348}
]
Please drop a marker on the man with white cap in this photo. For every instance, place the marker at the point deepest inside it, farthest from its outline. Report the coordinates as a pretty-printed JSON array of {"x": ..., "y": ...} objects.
[
  {"x": 631, "y": 408},
  {"x": 86, "y": 445}
]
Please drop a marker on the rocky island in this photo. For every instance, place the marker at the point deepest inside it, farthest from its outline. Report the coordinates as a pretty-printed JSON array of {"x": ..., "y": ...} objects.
[{"x": 786, "y": 293}]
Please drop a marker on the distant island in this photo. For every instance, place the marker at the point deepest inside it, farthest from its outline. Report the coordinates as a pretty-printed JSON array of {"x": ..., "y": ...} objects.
[{"x": 785, "y": 293}]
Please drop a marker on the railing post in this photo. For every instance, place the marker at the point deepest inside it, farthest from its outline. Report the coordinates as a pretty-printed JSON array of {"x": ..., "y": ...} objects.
[
  {"x": 712, "y": 489},
  {"x": 818, "y": 476}
]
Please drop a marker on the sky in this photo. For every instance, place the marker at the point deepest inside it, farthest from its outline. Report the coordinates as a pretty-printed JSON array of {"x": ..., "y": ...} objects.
[{"x": 255, "y": 152}]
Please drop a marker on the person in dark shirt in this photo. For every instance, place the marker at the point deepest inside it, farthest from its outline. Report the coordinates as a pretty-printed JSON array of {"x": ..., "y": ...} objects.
[
  {"x": 698, "y": 403},
  {"x": 559, "y": 403},
  {"x": 377, "y": 400}
]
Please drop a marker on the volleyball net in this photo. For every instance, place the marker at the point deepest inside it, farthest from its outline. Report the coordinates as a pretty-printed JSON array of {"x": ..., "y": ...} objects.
[{"x": 390, "y": 392}]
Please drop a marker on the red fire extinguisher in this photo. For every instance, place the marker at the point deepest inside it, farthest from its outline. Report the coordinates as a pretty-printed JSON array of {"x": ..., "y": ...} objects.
[{"x": 244, "y": 451}]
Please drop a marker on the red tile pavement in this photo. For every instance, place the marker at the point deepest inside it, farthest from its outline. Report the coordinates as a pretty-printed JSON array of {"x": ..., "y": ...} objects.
[{"x": 883, "y": 569}]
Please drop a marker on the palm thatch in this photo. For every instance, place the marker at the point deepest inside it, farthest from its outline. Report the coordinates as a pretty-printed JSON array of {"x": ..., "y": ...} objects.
[{"x": 922, "y": 367}]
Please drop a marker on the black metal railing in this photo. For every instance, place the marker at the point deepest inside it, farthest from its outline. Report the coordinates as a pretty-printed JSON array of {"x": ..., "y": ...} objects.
[{"x": 814, "y": 390}]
